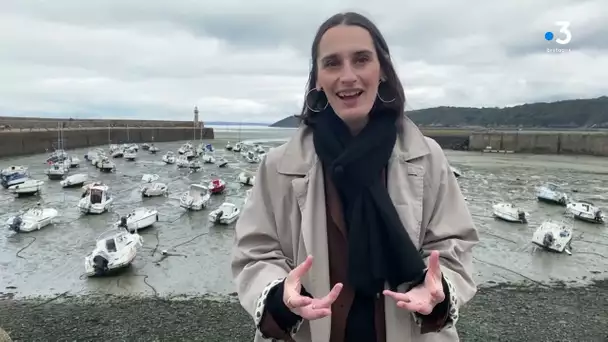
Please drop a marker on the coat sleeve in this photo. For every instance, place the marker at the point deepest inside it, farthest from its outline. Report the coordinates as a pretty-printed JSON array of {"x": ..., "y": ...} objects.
[
  {"x": 258, "y": 263},
  {"x": 450, "y": 231}
]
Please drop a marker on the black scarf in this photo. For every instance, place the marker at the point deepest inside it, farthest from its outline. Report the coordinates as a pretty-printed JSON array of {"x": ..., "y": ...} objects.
[{"x": 379, "y": 248}]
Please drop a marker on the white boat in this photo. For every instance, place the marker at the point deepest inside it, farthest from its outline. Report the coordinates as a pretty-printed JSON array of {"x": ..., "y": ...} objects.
[
  {"x": 228, "y": 146},
  {"x": 185, "y": 147},
  {"x": 139, "y": 218},
  {"x": 74, "y": 180},
  {"x": 252, "y": 157},
  {"x": 117, "y": 153},
  {"x": 13, "y": 169},
  {"x": 585, "y": 211},
  {"x": 149, "y": 178},
  {"x": 154, "y": 189},
  {"x": 115, "y": 249},
  {"x": 196, "y": 198},
  {"x": 145, "y": 146},
  {"x": 237, "y": 147},
  {"x": 153, "y": 149},
  {"x": 195, "y": 165},
  {"x": 96, "y": 199},
  {"x": 551, "y": 193},
  {"x": 169, "y": 158},
  {"x": 106, "y": 165},
  {"x": 130, "y": 154},
  {"x": 457, "y": 173},
  {"x": 32, "y": 219},
  {"x": 182, "y": 162},
  {"x": 208, "y": 159},
  {"x": 510, "y": 213},
  {"x": 258, "y": 149},
  {"x": 29, "y": 187},
  {"x": 190, "y": 154},
  {"x": 222, "y": 162},
  {"x": 227, "y": 213},
  {"x": 553, "y": 236},
  {"x": 56, "y": 172},
  {"x": 247, "y": 195},
  {"x": 74, "y": 162},
  {"x": 246, "y": 178}
]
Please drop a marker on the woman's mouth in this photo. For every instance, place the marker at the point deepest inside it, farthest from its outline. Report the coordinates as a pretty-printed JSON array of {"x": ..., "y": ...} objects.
[{"x": 349, "y": 95}]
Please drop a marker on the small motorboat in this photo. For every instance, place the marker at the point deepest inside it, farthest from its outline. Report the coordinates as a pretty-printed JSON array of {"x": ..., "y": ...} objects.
[
  {"x": 510, "y": 213},
  {"x": 246, "y": 179},
  {"x": 457, "y": 173},
  {"x": 585, "y": 211},
  {"x": 106, "y": 165},
  {"x": 14, "y": 178},
  {"x": 196, "y": 198},
  {"x": 195, "y": 165},
  {"x": 169, "y": 158},
  {"x": 208, "y": 159},
  {"x": 228, "y": 147},
  {"x": 74, "y": 180},
  {"x": 153, "y": 149},
  {"x": 135, "y": 147},
  {"x": 145, "y": 146},
  {"x": 237, "y": 147},
  {"x": 149, "y": 178},
  {"x": 190, "y": 154},
  {"x": 551, "y": 193},
  {"x": 185, "y": 147},
  {"x": 115, "y": 249},
  {"x": 227, "y": 213},
  {"x": 258, "y": 148},
  {"x": 29, "y": 187},
  {"x": 139, "y": 218},
  {"x": 13, "y": 169},
  {"x": 154, "y": 189},
  {"x": 74, "y": 162},
  {"x": 209, "y": 148},
  {"x": 553, "y": 236},
  {"x": 56, "y": 172},
  {"x": 32, "y": 219},
  {"x": 222, "y": 162},
  {"x": 217, "y": 186},
  {"x": 252, "y": 157},
  {"x": 117, "y": 153},
  {"x": 247, "y": 195},
  {"x": 182, "y": 162},
  {"x": 96, "y": 199},
  {"x": 130, "y": 154}
]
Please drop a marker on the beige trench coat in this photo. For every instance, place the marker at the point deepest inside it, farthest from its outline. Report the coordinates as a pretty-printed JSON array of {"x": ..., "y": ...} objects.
[{"x": 284, "y": 221}]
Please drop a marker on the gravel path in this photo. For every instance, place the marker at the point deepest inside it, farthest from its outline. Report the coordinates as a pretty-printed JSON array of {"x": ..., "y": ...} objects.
[{"x": 501, "y": 313}]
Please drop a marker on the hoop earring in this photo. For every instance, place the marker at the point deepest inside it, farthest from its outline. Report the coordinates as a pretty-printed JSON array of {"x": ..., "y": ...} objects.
[
  {"x": 380, "y": 97},
  {"x": 309, "y": 107}
]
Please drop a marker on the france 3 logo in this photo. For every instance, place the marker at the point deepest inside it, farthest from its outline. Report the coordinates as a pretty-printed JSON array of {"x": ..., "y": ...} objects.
[{"x": 562, "y": 37}]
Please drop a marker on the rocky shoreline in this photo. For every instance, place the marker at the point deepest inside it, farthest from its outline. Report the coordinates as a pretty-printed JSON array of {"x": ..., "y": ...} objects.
[{"x": 500, "y": 313}]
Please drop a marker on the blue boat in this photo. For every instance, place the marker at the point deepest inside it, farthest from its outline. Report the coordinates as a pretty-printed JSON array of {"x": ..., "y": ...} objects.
[{"x": 14, "y": 178}]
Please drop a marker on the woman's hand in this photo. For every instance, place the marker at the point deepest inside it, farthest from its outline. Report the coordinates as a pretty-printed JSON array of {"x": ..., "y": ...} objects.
[
  {"x": 424, "y": 297},
  {"x": 306, "y": 307}
]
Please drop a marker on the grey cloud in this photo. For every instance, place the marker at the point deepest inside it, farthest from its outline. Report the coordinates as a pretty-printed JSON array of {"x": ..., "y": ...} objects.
[{"x": 239, "y": 59}]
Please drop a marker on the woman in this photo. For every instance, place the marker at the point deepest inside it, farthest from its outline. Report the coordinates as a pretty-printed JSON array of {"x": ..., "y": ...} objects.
[{"x": 360, "y": 189}]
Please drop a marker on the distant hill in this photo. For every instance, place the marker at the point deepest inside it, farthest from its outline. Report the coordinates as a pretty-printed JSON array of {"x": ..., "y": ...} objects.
[{"x": 580, "y": 113}]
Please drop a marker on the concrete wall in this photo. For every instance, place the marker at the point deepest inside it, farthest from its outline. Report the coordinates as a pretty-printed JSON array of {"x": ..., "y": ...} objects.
[
  {"x": 38, "y": 123},
  {"x": 15, "y": 143},
  {"x": 585, "y": 143}
]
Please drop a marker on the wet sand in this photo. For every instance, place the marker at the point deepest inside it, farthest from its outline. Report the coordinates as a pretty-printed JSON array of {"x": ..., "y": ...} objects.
[{"x": 51, "y": 261}]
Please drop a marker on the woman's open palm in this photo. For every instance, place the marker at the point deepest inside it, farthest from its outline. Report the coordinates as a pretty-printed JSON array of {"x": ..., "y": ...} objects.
[
  {"x": 306, "y": 307},
  {"x": 424, "y": 297}
]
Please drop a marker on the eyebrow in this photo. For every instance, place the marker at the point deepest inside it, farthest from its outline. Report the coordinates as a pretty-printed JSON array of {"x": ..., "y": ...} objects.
[{"x": 356, "y": 53}]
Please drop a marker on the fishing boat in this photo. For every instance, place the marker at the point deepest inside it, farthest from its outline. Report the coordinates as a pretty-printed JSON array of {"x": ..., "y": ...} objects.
[
  {"x": 246, "y": 178},
  {"x": 196, "y": 198},
  {"x": 227, "y": 213},
  {"x": 553, "y": 236},
  {"x": 27, "y": 188},
  {"x": 510, "y": 213},
  {"x": 585, "y": 211},
  {"x": 551, "y": 193},
  {"x": 139, "y": 218},
  {"x": 96, "y": 199},
  {"x": 32, "y": 219}
]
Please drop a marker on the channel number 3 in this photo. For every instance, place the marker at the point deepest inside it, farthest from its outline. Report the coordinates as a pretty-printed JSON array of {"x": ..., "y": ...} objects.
[{"x": 565, "y": 29}]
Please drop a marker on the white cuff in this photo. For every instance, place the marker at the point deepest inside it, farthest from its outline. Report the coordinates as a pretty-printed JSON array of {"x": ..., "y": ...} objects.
[
  {"x": 261, "y": 306},
  {"x": 452, "y": 308}
]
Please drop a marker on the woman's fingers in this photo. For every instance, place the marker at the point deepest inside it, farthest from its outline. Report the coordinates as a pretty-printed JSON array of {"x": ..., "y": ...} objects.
[
  {"x": 329, "y": 299},
  {"x": 301, "y": 269},
  {"x": 297, "y": 301}
]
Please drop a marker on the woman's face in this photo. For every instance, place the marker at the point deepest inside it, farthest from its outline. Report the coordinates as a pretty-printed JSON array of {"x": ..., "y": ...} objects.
[{"x": 348, "y": 71}]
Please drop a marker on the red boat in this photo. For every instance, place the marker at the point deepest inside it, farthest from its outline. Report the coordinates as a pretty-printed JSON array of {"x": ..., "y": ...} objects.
[{"x": 217, "y": 186}]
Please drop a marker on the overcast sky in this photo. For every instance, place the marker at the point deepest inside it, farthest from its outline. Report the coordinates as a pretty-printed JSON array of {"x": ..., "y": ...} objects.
[{"x": 249, "y": 60}]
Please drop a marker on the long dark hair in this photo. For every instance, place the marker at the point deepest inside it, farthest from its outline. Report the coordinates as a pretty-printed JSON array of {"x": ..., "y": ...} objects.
[{"x": 391, "y": 87}]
